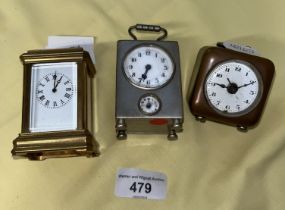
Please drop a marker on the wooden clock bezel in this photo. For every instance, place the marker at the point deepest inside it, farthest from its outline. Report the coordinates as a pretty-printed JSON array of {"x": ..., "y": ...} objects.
[
  {"x": 42, "y": 145},
  {"x": 207, "y": 59}
]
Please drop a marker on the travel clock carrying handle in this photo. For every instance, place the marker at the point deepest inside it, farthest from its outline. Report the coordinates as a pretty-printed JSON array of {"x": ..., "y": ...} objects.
[{"x": 149, "y": 28}]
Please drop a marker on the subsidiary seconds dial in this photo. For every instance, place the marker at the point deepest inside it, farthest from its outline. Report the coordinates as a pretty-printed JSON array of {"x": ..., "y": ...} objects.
[
  {"x": 149, "y": 104},
  {"x": 233, "y": 87},
  {"x": 148, "y": 67},
  {"x": 54, "y": 90}
]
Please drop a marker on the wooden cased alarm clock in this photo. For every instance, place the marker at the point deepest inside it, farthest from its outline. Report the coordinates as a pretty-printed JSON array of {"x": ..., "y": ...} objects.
[
  {"x": 148, "y": 85},
  {"x": 57, "y": 105},
  {"x": 231, "y": 86}
]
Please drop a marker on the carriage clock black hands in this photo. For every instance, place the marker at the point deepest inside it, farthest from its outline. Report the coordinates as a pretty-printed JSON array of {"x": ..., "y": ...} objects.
[
  {"x": 54, "y": 81},
  {"x": 55, "y": 84}
]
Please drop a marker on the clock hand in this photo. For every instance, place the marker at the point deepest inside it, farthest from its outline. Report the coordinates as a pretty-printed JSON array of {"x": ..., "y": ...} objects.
[
  {"x": 147, "y": 68},
  {"x": 229, "y": 81},
  {"x": 247, "y": 84},
  {"x": 221, "y": 85},
  {"x": 54, "y": 79},
  {"x": 57, "y": 83}
]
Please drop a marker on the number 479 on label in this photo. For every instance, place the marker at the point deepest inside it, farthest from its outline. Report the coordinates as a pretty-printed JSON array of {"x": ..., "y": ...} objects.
[
  {"x": 141, "y": 186},
  {"x": 137, "y": 183}
]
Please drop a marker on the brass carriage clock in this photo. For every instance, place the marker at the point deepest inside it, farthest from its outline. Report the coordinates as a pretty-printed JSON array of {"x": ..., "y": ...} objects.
[
  {"x": 148, "y": 85},
  {"x": 231, "y": 86},
  {"x": 57, "y": 105}
]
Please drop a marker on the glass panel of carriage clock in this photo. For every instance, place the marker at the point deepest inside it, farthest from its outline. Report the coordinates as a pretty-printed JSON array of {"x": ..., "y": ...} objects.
[{"x": 53, "y": 97}]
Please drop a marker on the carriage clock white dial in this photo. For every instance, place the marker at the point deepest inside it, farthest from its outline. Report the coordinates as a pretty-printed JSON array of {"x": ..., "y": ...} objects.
[
  {"x": 148, "y": 67},
  {"x": 54, "y": 90},
  {"x": 53, "y": 97},
  {"x": 149, "y": 104},
  {"x": 233, "y": 87}
]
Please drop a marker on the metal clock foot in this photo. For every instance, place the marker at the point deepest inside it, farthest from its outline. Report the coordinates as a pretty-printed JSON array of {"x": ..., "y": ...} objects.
[
  {"x": 242, "y": 128},
  {"x": 200, "y": 119},
  {"x": 121, "y": 135},
  {"x": 172, "y": 135},
  {"x": 177, "y": 125},
  {"x": 121, "y": 129}
]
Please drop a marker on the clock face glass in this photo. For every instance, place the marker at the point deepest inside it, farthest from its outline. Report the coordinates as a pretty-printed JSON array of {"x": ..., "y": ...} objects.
[
  {"x": 148, "y": 67},
  {"x": 233, "y": 87},
  {"x": 53, "y": 101},
  {"x": 149, "y": 104}
]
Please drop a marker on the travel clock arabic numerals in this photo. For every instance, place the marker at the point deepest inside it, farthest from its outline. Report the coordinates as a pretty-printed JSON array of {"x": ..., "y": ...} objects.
[
  {"x": 235, "y": 85},
  {"x": 238, "y": 107},
  {"x": 219, "y": 75},
  {"x": 148, "y": 67},
  {"x": 238, "y": 69}
]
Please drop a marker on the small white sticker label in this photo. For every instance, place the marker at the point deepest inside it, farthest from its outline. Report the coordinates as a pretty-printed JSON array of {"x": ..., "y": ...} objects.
[
  {"x": 86, "y": 42},
  {"x": 240, "y": 48},
  {"x": 137, "y": 183}
]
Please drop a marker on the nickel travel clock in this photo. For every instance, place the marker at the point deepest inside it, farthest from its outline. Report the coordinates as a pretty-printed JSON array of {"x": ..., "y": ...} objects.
[
  {"x": 231, "y": 86},
  {"x": 148, "y": 85},
  {"x": 57, "y": 105}
]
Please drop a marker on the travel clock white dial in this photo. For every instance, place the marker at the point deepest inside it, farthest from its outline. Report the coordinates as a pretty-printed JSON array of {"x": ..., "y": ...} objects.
[
  {"x": 53, "y": 101},
  {"x": 233, "y": 87},
  {"x": 149, "y": 104},
  {"x": 148, "y": 67}
]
